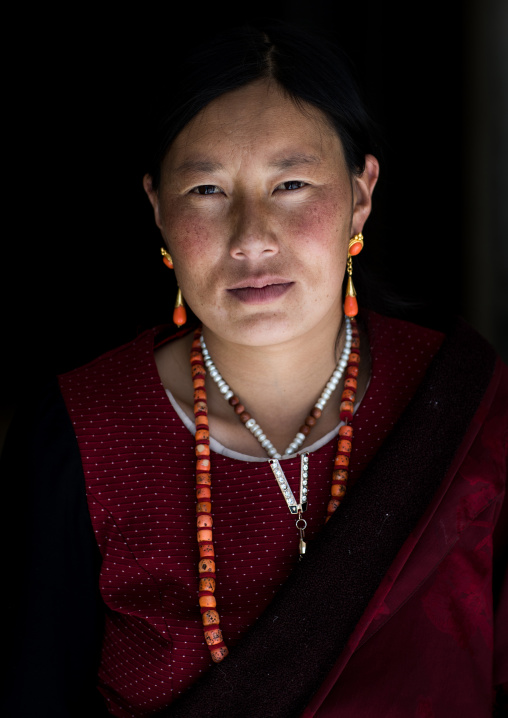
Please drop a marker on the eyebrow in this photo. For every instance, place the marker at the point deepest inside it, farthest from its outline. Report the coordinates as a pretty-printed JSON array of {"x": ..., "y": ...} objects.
[
  {"x": 199, "y": 166},
  {"x": 287, "y": 163},
  {"x": 280, "y": 163}
]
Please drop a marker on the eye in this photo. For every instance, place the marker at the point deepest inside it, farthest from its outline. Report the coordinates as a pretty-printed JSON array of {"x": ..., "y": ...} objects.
[
  {"x": 206, "y": 189},
  {"x": 291, "y": 185}
]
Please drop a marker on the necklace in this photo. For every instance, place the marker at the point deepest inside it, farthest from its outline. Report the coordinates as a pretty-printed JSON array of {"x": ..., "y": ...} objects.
[
  {"x": 206, "y": 567},
  {"x": 310, "y": 421}
]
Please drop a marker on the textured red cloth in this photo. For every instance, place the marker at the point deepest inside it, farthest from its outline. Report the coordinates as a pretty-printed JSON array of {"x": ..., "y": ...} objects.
[
  {"x": 434, "y": 640},
  {"x": 139, "y": 467}
]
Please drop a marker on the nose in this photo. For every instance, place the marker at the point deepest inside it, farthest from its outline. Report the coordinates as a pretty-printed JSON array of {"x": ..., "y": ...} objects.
[{"x": 253, "y": 234}]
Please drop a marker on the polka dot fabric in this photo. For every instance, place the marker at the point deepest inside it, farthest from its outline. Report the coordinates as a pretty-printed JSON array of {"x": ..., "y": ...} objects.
[{"x": 138, "y": 460}]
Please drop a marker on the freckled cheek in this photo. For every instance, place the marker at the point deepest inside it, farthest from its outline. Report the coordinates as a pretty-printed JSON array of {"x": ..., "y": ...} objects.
[
  {"x": 190, "y": 239},
  {"x": 319, "y": 228},
  {"x": 197, "y": 252}
]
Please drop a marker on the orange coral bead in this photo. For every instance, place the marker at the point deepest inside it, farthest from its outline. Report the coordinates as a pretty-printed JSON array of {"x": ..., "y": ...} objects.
[
  {"x": 204, "y": 479},
  {"x": 207, "y": 584},
  {"x": 206, "y": 550},
  {"x": 350, "y": 306},
  {"x": 210, "y": 617},
  {"x": 340, "y": 475},
  {"x": 203, "y": 464},
  {"x": 333, "y": 504},
  {"x": 348, "y": 395},
  {"x": 179, "y": 316},
  {"x": 204, "y": 522},
  {"x": 203, "y": 507},
  {"x": 346, "y": 431},
  {"x": 344, "y": 445},
  {"x": 341, "y": 462},
  {"x": 206, "y": 565},
  {"x": 219, "y": 654},
  {"x": 214, "y": 636},
  {"x": 202, "y": 450},
  {"x": 338, "y": 490},
  {"x": 203, "y": 493},
  {"x": 205, "y": 535},
  {"x": 346, "y": 410},
  {"x": 207, "y": 602}
]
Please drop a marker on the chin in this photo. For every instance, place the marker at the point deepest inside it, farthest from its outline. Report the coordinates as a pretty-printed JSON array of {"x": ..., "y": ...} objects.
[{"x": 264, "y": 329}]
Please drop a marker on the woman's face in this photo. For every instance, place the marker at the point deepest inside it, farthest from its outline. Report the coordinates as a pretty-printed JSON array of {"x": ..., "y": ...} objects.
[{"x": 256, "y": 206}]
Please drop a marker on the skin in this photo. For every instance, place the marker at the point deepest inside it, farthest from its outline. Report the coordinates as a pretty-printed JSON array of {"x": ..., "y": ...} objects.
[{"x": 256, "y": 206}]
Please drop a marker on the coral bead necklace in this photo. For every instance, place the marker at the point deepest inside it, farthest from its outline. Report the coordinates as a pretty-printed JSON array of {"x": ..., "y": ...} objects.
[{"x": 206, "y": 566}]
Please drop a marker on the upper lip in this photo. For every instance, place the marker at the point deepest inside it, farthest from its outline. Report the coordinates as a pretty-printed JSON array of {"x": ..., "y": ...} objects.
[{"x": 260, "y": 282}]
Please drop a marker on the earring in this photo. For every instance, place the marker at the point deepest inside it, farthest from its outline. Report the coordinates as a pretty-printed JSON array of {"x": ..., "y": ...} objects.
[
  {"x": 166, "y": 258},
  {"x": 350, "y": 302},
  {"x": 179, "y": 313}
]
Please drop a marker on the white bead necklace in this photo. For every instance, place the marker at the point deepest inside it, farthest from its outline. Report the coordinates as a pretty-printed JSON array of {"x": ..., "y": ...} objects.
[{"x": 320, "y": 404}]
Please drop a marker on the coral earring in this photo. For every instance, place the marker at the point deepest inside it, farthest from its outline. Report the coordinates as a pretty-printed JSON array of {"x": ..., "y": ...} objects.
[
  {"x": 179, "y": 316},
  {"x": 350, "y": 302},
  {"x": 167, "y": 258},
  {"x": 179, "y": 313},
  {"x": 355, "y": 245},
  {"x": 355, "y": 249},
  {"x": 350, "y": 307}
]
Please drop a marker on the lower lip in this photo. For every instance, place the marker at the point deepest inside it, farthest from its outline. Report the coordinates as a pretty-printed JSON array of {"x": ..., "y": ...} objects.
[{"x": 260, "y": 295}]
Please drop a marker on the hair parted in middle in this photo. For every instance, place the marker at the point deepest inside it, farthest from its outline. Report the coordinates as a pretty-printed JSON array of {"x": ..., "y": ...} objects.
[{"x": 307, "y": 67}]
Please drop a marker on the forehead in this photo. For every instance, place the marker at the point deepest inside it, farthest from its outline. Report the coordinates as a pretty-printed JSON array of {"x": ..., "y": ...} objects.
[{"x": 256, "y": 122}]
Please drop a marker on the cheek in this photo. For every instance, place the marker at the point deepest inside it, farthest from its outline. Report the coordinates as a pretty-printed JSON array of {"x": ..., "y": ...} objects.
[
  {"x": 188, "y": 237},
  {"x": 321, "y": 227}
]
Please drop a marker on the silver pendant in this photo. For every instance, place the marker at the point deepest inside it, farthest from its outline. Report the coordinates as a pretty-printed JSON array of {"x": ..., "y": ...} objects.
[{"x": 294, "y": 506}]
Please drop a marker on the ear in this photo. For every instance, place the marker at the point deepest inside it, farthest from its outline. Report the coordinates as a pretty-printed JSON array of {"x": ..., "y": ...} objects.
[
  {"x": 363, "y": 187},
  {"x": 153, "y": 196}
]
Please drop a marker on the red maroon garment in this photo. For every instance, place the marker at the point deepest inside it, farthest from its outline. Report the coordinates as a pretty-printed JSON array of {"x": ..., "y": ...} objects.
[
  {"x": 140, "y": 486},
  {"x": 448, "y": 639}
]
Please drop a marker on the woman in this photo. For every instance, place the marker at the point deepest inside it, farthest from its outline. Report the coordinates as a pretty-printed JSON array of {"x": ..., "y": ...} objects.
[{"x": 248, "y": 429}]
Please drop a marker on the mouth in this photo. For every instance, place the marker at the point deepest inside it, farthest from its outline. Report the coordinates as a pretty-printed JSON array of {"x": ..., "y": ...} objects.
[{"x": 270, "y": 291}]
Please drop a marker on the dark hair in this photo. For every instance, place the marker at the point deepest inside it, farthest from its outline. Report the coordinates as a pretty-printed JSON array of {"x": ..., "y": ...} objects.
[{"x": 307, "y": 67}]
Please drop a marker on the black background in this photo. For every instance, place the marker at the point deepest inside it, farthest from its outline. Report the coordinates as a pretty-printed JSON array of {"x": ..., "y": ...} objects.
[{"x": 81, "y": 260}]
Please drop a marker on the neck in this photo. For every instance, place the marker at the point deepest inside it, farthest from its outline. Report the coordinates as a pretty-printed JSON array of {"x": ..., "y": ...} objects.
[{"x": 278, "y": 384}]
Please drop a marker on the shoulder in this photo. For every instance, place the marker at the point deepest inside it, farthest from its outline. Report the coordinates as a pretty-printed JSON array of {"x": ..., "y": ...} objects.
[
  {"x": 111, "y": 361},
  {"x": 461, "y": 375},
  {"x": 392, "y": 332},
  {"x": 458, "y": 341},
  {"x": 113, "y": 379}
]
